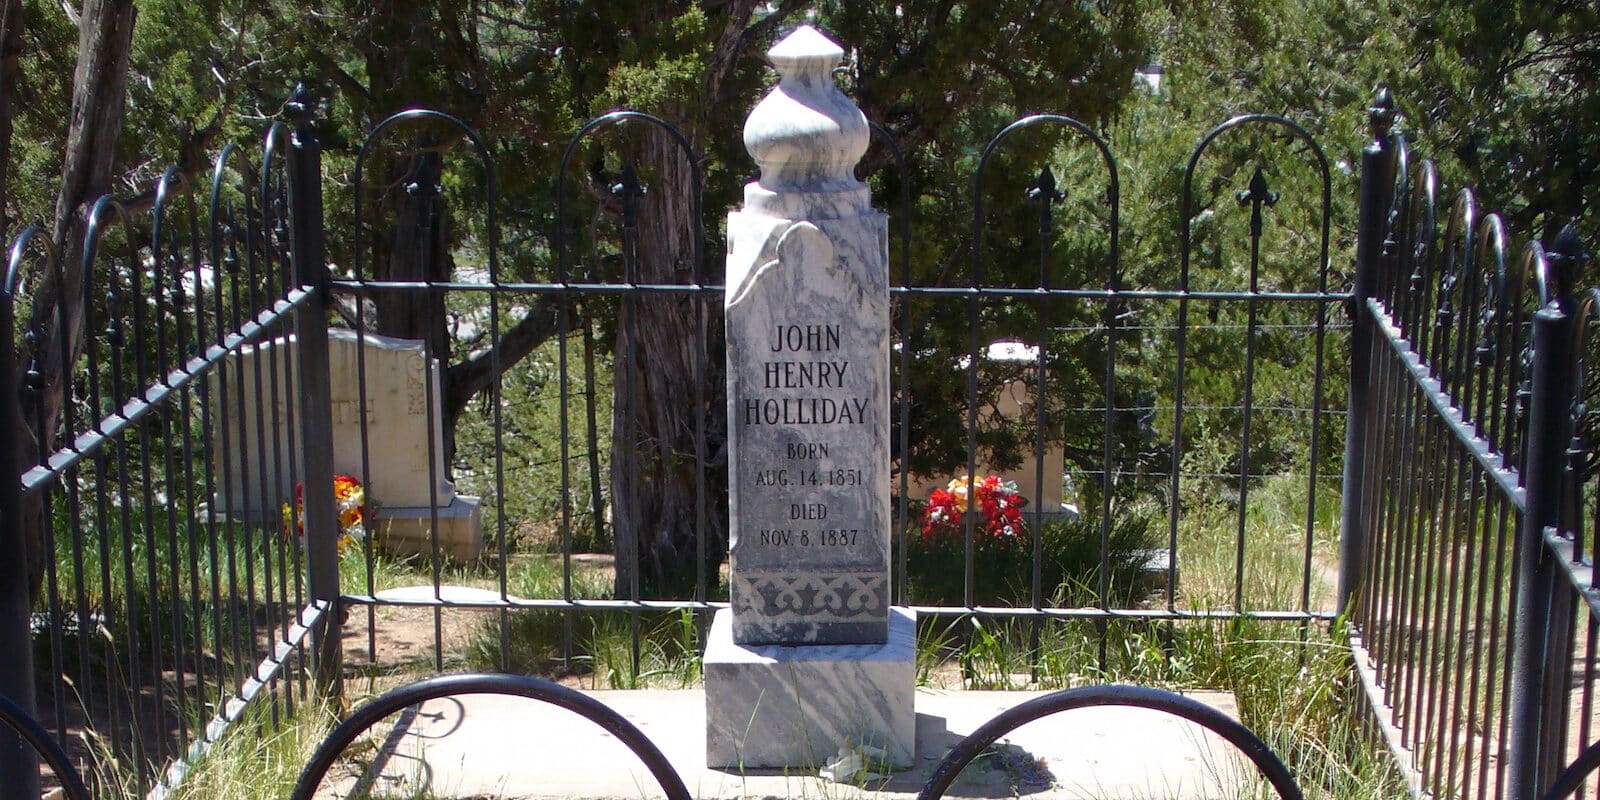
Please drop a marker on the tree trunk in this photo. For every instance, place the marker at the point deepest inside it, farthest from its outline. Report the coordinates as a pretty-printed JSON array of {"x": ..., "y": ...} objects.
[
  {"x": 658, "y": 400},
  {"x": 105, "y": 30},
  {"x": 10, "y": 60},
  {"x": 655, "y": 413},
  {"x": 415, "y": 55}
]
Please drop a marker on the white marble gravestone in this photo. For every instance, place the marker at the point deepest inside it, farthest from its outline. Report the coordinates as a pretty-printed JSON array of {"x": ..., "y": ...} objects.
[
  {"x": 402, "y": 441},
  {"x": 809, "y": 656}
]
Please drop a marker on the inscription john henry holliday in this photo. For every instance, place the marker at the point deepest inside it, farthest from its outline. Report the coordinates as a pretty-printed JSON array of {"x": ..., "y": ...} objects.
[
  {"x": 807, "y": 315},
  {"x": 808, "y": 403},
  {"x": 805, "y": 342}
]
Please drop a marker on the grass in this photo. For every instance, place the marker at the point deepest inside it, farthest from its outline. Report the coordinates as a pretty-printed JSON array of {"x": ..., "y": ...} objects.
[
  {"x": 259, "y": 758},
  {"x": 1068, "y": 562},
  {"x": 1292, "y": 681},
  {"x": 602, "y": 643},
  {"x": 669, "y": 652},
  {"x": 369, "y": 570}
]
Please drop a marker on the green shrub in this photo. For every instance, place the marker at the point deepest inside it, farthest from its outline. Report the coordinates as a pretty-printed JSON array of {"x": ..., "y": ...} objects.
[{"x": 1069, "y": 562}]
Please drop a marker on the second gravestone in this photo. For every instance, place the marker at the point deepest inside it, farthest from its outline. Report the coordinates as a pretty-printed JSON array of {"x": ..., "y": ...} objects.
[
  {"x": 396, "y": 417},
  {"x": 810, "y": 657}
]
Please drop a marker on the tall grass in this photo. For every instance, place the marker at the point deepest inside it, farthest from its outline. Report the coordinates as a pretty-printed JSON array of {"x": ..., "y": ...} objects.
[
  {"x": 1292, "y": 680},
  {"x": 598, "y": 646},
  {"x": 259, "y": 758}
]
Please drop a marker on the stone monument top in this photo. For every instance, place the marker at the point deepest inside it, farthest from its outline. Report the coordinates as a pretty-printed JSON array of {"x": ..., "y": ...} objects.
[{"x": 806, "y": 135}]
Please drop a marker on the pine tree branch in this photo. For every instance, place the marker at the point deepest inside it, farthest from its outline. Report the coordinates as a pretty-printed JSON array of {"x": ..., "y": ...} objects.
[{"x": 466, "y": 379}]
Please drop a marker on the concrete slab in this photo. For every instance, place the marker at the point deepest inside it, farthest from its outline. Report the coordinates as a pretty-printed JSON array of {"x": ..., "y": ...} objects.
[{"x": 483, "y": 746}]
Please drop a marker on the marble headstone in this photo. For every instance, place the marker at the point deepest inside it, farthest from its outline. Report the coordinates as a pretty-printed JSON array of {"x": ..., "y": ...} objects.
[
  {"x": 404, "y": 473},
  {"x": 807, "y": 313},
  {"x": 809, "y": 657}
]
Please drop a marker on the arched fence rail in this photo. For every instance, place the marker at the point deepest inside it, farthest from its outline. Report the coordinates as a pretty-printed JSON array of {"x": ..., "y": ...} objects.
[
  {"x": 1260, "y": 755},
  {"x": 393, "y": 701},
  {"x": 670, "y": 783},
  {"x": 36, "y": 737}
]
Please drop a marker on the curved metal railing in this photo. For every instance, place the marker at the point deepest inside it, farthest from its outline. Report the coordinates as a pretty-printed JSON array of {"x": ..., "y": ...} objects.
[
  {"x": 39, "y": 739},
  {"x": 1265, "y": 760},
  {"x": 511, "y": 685}
]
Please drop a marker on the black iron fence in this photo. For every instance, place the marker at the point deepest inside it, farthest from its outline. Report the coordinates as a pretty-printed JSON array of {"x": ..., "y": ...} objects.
[
  {"x": 1250, "y": 286},
  {"x": 1170, "y": 404},
  {"x": 162, "y": 613},
  {"x": 1465, "y": 485}
]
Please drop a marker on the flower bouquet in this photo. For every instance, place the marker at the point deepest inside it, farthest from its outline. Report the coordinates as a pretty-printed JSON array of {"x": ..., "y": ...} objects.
[
  {"x": 1001, "y": 544},
  {"x": 350, "y": 501},
  {"x": 998, "y": 501}
]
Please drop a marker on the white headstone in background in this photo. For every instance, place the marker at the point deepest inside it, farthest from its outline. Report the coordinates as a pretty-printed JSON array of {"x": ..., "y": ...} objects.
[
  {"x": 809, "y": 657},
  {"x": 401, "y": 439},
  {"x": 1041, "y": 482}
]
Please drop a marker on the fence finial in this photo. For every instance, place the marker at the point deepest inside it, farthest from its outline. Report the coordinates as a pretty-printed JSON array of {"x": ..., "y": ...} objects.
[
  {"x": 1566, "y": 257},
  {"x": 1382, "y": 114},
  {"x": 302, "y": 105}
]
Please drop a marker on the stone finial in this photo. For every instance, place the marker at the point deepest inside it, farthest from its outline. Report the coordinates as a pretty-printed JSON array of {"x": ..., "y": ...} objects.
[{"x": 806, "y": 135}]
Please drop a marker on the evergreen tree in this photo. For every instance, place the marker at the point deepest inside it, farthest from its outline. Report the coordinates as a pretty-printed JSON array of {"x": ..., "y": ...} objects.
[{"x": 1489, "y": 84}]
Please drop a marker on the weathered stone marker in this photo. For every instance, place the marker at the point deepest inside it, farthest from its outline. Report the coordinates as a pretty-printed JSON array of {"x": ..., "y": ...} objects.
[
  {"x": 810, "y": 656},
  {"x": 402, "y": 438}
]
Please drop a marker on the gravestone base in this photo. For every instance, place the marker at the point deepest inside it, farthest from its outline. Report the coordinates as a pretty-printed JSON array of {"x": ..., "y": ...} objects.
[
  {"x": 770, "y": 706},
  {"x": 405, "y": 530}
]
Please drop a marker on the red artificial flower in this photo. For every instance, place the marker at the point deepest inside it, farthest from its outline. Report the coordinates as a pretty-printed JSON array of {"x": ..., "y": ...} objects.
[{"x": 997, "y": 501}]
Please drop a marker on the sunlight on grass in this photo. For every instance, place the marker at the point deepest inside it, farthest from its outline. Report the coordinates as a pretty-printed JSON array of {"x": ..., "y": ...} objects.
[
  {"x": 1292, "y": 680},
  {"x": 259, "y": 758}
]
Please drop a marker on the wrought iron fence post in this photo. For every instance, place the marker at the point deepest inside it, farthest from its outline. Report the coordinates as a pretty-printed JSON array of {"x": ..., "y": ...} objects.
[
  {"x": 1530, "y": 739},
  {"x": 316, "y": 416},
  {"x": 1377, "y": 186},
  {"x": 19, "y": 765}
]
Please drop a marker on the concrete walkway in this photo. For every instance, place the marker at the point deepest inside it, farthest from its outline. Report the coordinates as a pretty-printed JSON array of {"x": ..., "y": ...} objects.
[{"x": 483, "y": 746}]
